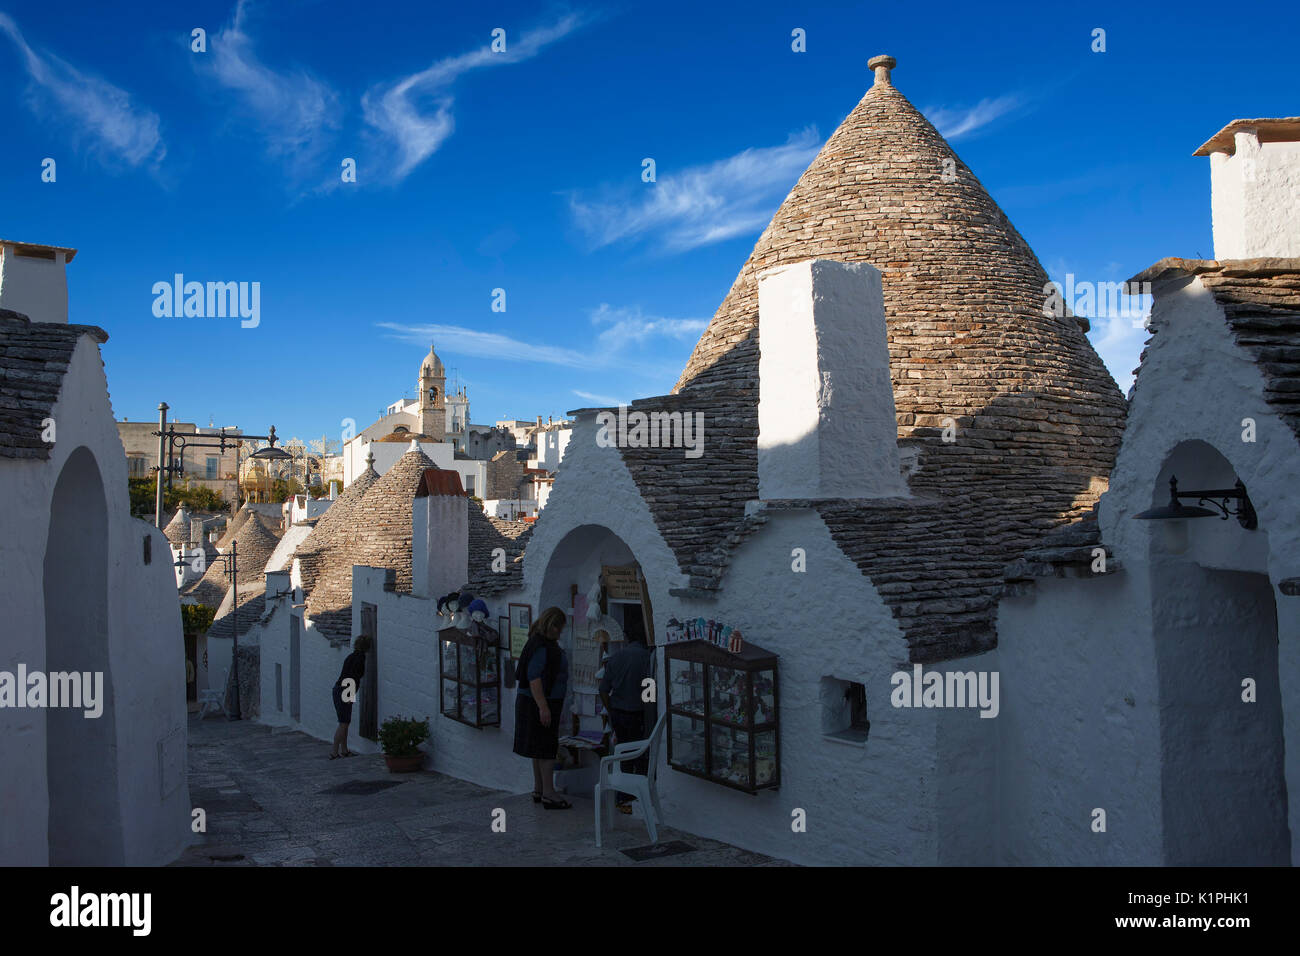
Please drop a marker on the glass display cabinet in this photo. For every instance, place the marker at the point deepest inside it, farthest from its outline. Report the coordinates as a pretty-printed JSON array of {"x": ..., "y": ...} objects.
[
  {"x": 470, "y": 671},
  {"x": 723, "y": 720}
]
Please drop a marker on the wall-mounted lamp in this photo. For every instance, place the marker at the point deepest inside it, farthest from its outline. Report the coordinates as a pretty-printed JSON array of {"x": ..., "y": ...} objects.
[{"x": 1219, "y": 498}]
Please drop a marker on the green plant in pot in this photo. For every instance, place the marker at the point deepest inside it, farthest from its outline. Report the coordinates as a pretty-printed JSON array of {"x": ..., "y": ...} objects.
[{"x": 401, "y": 738}]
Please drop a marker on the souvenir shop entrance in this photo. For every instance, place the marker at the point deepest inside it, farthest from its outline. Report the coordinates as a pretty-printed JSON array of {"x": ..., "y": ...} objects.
[{"x": 594, "y": 577}]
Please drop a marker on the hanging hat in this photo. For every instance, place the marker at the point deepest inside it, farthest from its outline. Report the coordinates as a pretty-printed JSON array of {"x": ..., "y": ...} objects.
[{"x": 478, "y": 605}]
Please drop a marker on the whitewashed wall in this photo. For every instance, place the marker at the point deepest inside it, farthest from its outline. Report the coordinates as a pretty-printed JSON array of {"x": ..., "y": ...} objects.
[
  {"x": 1256, "y": 199},
  {"x": 33, "y": 286},
  {"x": 146, "y": 649},
  {"x": 1097, "y": 710},
  {"x": 1197, "y": 384},
  {"x": 1080, "y": 725}
]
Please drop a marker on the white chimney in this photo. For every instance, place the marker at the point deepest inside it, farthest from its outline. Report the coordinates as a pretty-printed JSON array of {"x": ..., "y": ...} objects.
[
  {"x": 33, "y": 280},
  {"x": 826, "y": 422},
  {"x": 439, "y": 535},
  {"x": 1255, "y": 188}
]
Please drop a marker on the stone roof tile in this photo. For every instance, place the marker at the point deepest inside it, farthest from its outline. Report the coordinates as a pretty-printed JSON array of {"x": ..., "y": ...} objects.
[{"x": 34, "y": 357}]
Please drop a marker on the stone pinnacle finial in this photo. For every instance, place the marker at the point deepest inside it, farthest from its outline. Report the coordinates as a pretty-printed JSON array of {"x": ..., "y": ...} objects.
[
  {"x": 882, "y": 65},
  {"x": 370, "y": 459}
]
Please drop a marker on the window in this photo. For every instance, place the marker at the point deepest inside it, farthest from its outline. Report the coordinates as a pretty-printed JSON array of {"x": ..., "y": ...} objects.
[
  {"x": 212, "y": 464},
  {"x": 469, "y": 484},
  {"x": 844, "y": 710}
]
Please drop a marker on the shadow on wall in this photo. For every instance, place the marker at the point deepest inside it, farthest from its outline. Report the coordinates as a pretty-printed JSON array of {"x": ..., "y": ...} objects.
[
  {"x": 1214, "y": 620},
  {"x": 85, "y": 823}
]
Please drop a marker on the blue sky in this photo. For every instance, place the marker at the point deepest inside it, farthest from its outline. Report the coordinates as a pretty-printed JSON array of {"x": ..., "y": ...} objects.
[{"x": 522, "y": 171}]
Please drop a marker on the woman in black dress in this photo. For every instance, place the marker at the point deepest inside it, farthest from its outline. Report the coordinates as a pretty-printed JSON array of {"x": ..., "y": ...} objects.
[
  {"x": 543, "y": 677},
  {"x": 354, "y": 668}
]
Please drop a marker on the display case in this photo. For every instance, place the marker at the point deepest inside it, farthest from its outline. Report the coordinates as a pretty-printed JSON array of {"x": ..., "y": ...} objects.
[
  {"x": 723, "y": 718},
  {"x": 470, "y": 675}
]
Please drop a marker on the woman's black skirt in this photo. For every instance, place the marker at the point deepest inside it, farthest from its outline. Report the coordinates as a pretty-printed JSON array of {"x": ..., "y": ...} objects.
[
  {"x": 531, "y": 738},
  {"x": 342, "y": 708}
]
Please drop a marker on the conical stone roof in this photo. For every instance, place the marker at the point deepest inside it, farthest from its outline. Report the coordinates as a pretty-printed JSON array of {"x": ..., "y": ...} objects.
[
  {"x": 178, "y": 529},
  {"x": 332, "y": 528},
  {"x": 233, "y": 526},
  {"x": 254, "y": 543},
  {"x": 376, "y": 534},
  {"x": 1038, "y": 417}
]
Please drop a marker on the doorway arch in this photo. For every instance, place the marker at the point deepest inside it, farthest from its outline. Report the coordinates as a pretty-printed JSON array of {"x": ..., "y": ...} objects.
[
  {"x": 1214, "y": 622},
  {"x": 84, "y": 824}
]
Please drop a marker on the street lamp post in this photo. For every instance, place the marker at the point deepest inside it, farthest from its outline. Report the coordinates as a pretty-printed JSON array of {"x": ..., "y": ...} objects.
[
  {"x": 231, "y": 560},
  {"x": 169, "y": 439}
]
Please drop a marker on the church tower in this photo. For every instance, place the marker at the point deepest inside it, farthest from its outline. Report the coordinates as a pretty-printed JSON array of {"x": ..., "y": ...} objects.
[{"x": 433, "y": 399}]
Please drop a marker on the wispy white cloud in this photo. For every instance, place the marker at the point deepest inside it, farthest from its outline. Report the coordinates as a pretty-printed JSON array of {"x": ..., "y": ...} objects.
[
  {"x": 414, "y": 114},
  {"x": 599, "y": 399},
  {"x": 628, "y": 326},
  {"x": 1118, "y": 341},
  {"x": 458, "y": 340},
  {"x": 620, "y": 343},
  {"x": 701, "y": 204},
  {"x": 1117, "y": 320},
  {"x": 296, "y": 112},
  {"x": 92, "y": 107},
  {"x": 953, "y": 123}
]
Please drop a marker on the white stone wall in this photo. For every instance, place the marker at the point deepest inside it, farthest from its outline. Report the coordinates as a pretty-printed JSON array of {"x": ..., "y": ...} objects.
[
  {"x": 146, "y": 649},
  {"x": 1080, "y": 725},
  {"x": 38, "y": 288},
  {"x": 1087, "y": 707},
  {"x": 408, "y": 686},
  {"x": 1255, "y": 199},
  {"x": 1197, "y": 384}
]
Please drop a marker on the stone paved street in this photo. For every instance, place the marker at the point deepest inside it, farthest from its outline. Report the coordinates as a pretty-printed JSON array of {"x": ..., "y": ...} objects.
[{"x": 272, "y": 799}]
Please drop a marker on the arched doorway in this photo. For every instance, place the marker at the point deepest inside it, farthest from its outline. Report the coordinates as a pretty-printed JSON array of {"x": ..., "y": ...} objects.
[
  {"x": 577, "y": 562},
  {"x": 85, "y": 823},
  {"x": 589, "y": 555},
  {"x": 1223, "y": 783}
]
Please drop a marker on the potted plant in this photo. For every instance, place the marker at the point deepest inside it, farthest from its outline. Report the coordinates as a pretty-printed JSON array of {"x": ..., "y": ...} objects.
[{"x": 401, "y": 738}]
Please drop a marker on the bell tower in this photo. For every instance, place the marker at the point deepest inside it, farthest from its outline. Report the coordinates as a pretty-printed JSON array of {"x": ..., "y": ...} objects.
[{"x": 433, "y": 399}]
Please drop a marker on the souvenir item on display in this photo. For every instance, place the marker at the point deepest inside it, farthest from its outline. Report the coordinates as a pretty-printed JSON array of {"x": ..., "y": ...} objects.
[
  {"x": 470, "y": 670},
  {"x": 478, "y": 613},
  {"x": 727, "y": 700},
  {"x": 446, "y": 608}
]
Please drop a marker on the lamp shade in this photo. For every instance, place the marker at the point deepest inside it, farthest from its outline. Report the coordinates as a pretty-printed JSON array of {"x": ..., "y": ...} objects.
[{"x": 1175, "y": 509}]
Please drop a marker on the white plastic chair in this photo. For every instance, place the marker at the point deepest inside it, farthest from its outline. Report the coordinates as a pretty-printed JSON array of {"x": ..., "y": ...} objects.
[
  {"x": 217, "y": 698},
  {"x": 613, "y": 780}
]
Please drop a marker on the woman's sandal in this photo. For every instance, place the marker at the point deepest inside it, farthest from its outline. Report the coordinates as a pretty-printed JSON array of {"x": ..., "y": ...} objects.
[
  {"x": 335, "y": 756},
  {"x": 558, "y": 804},
  {"x": 537, "y": 797}
]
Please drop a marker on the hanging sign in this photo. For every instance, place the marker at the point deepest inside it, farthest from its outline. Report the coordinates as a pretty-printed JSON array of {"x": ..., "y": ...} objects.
[
  {"x": 621, "y": 584},
  {"x": 521, "y": 619}
]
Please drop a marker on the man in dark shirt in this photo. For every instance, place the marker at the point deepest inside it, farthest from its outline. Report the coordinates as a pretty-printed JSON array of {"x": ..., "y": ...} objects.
[
  {"x": 345, "y": 692},
  {"x": 621, "y": 691}
]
